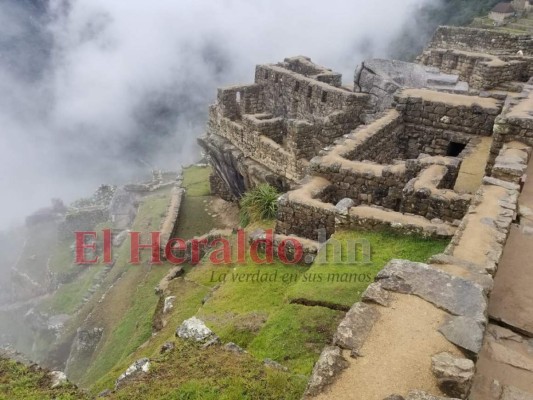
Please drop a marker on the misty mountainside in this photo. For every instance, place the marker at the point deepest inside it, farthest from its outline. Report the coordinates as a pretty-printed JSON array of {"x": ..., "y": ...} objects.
[
  {"x": 113, "y": 90},
  {"x": 445, "y": 12}
]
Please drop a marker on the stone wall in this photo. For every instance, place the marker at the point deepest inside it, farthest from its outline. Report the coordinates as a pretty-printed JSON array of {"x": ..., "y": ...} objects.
[
  {"x": 383, "y": 145},
  {"x": 303, "y": 213},
  {"x": 513, "y": 125},
  {"x": 219, "y": 188},
  {"x": 81, "y": 220},
  {"x": 481, "y": 40},
  {"x": 169, "y": 224},
  {"x": 423, "y": 196},
  {"x": 467, "y": 114},
  {"x": 480, "y": 70},
  {"x": 292, "y": 111},
  {"x": 511, "y": 163},
  {"x": 235, "y": 172},
  {"x": 234, "y": 101},
  {"x": 304, "y": 66}
]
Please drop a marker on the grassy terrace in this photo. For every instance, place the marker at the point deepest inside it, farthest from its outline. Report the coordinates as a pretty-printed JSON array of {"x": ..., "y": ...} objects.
[
  {"x": 260, "y": 316},
  {"x": 18, "y": 381}
]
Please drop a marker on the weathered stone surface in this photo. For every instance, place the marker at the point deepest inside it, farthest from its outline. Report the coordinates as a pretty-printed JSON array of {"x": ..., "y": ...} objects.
[
  {"x": 167, "y": 346},
  {"x": 344, "y": 205},
  {"x": 394, "y": 397},
  {"x": 453, "y": 374},
  {"x": 84, "y": 345},
  {"x": 141, "y": 366},
  {"x": 230, "y": 346},
  {"x": 355, "y": 327},
  {"x": 465, "y": 332},
  {"x": 327, "y": 368},
  {"x": 169, "y": 304},
  {"x": 58, "y": 378},
  {"x": 513, "y": 393},
  {"x": 506, "y": 360},
  {"x": 195, "y": 329},
  {"x": 453, "y": 294},
  {"x": 374, "y": 293},
  {"x": 382, "y": 78},
  {"x": 172, "y": 274},
  {"x": 420, "y": 395}
]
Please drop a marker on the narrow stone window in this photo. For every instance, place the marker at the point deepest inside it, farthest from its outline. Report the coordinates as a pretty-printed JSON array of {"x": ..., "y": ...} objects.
[
  {"x": 324, "y": 97},
  {"x": 238, "y": 97},
  {"x": 266, "y": 74},
  {"x": 454, "y": 149},
  {"x": 297, "y": 86},
  {"x": 309, "y": 91}
]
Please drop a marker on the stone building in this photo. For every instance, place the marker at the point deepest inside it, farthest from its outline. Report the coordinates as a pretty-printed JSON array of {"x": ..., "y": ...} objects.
[
  {"x": 502, "y": 11},
  {"x": 269, "y": 130}
]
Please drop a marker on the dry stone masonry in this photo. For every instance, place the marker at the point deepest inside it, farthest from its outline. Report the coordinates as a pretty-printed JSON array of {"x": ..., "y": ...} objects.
[{"x": 386, "y": 154}]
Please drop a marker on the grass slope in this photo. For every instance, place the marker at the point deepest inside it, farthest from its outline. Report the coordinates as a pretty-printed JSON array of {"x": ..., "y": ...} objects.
[{"x": 18, "y": 381}]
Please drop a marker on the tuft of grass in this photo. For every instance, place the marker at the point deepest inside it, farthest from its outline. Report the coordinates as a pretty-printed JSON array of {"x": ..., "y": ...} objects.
[{"x": 259, "y": 204}]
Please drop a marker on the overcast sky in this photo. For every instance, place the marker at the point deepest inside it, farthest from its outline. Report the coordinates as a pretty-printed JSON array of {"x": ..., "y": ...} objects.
[{"x": 93, "y": 91}]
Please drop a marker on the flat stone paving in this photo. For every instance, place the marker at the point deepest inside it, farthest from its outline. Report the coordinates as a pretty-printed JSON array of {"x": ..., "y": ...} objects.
[{"x": 505, "y": 363}]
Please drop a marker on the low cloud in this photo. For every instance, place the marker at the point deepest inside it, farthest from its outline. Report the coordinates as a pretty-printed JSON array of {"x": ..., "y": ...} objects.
[{"x": 97, "y": 91}]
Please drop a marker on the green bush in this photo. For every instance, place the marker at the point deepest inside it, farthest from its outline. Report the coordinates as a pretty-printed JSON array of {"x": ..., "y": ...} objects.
[{"x": 259, "y": 204}]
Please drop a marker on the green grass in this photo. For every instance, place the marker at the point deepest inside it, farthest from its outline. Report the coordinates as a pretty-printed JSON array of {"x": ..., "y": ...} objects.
[
  {"x": 196, "y": 181},
  {"x": 190, "y": 297},
  {"x": 259, "y": 317},
  {"x": 258, "y": 204},
  {"x": 341, "y": 284},
  {"x": 68, "y": 297},
  {"x": 126, "y": 312},
  {"x": 189, "y": 373},
  {"x": 18, "y": 381},
  {"x": 296, "y": 335},
  {"x": 194, "y": 220}
]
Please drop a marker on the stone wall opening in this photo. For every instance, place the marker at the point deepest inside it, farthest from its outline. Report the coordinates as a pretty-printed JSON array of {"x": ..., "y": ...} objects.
[{"x": 455, "y": 148}]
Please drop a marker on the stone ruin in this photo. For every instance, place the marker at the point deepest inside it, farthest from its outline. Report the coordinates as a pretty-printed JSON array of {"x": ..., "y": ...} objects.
[
  {"x": 269, "y": 130},
  {"x": 440, "y": 148}
]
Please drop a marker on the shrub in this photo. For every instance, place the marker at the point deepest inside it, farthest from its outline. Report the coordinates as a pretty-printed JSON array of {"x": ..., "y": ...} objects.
[{"x": 259, "y": 204}]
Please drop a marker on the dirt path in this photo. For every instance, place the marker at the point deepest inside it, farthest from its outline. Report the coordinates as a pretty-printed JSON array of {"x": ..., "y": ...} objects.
[{"x": 396, "y": 357}]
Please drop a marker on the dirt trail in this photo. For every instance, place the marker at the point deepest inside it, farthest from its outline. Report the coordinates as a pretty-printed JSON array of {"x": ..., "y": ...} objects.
[{"x": 396, "y": 357}]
